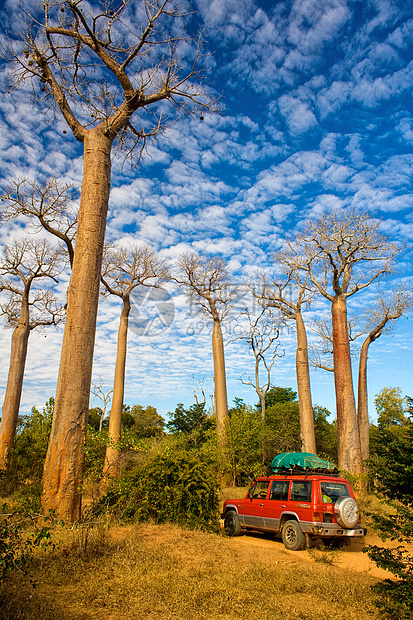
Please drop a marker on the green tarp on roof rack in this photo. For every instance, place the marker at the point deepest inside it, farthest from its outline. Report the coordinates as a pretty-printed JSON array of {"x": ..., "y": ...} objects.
[{"x": 301, "y": 460}]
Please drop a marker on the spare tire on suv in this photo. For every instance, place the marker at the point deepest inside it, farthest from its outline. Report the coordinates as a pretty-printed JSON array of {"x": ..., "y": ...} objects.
[{"x": 346, "y": 512}]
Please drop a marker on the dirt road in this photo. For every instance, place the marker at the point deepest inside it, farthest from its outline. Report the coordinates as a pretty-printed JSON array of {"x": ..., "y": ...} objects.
[{"x": 351, "y": 558}]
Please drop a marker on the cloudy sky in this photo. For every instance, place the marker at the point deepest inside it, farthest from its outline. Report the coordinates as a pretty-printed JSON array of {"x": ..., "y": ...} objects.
[{"x": 316, "y": 114}]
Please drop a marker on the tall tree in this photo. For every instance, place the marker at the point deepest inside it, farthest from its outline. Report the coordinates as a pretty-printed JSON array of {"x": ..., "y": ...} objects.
[
  {"x": 27, "y": 307},
  {"x": 208, "y": 285},
  {"x": 123, "y": 270},
  {"x": 389, "y": 308},
  {"x": 370, "y": 324},
  {"x": 342, "y": 254},
  {"x": 91, "y": 63},
  {"x": 289, "y": 295}
]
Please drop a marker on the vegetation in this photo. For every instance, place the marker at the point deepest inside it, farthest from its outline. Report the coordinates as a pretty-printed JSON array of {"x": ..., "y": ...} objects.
[
  {"x": 163, "y": 571},
  {"x": 391, "y": 466},
  {"x": 172, "y": 487}
]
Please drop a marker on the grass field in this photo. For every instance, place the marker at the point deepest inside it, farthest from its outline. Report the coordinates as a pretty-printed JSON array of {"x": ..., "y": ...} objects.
[{"x": 163, "y": 572}]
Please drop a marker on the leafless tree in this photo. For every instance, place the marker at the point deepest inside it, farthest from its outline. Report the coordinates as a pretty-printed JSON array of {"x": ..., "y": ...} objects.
[
  {"x": 123, "y": 270},
  {"x": 342, "y": 254},
  {"x": 98, "y": 391},
  {"x": 48, "y": 206},
  {"x": 261, "y": 334},
  {"x": 289, "y": 294},
  {"x": 389, "y": 307},
  {"x": 26, "y": 307},
  {"x": 90, "y": 63},
  {"x": 208, "y": 286}
]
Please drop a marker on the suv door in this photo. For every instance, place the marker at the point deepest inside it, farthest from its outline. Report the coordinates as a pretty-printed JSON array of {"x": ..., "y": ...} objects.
[
  {"x": 300, "y": 499},
  {"x": 275, "y": 504},
  {"x": 252, "y": 511}
]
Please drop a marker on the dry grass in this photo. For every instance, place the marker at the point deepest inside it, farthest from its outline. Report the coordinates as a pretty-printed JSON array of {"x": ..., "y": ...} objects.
[{"x": 167, "y": 573}]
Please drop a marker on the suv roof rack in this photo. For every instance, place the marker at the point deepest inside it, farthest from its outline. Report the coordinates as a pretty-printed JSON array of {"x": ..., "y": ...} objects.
[{"x": 301, "y": 471}]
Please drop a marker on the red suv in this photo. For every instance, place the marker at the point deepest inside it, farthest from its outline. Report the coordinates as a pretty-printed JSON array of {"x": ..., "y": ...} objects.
[{"x": 301, "y": 507}]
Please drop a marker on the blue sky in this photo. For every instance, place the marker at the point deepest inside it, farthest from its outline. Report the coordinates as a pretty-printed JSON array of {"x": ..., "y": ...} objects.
[{"x": 316, "y": 114}]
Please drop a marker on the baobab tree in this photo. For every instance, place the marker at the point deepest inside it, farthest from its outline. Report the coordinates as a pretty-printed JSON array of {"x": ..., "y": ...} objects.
[
  {"x": 123, "y": 270},
  {"x": 96, "y": 67},
  {"x": 390, "y": 306},
  {"x": 289, "y": 295},
  {"x": 208, "y": 285},
  {"x": 28, "y": 306},
  {"x": 342, "y": 254},
  {"x": 50, "y": 206},
  {"x": 261, "y": 334}
]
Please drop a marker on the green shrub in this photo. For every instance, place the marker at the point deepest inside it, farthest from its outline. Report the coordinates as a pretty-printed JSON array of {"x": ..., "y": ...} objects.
[
  {"x": 171, "y": 487},
  {"x": 391, "y": 467},
  {"x": 30, "y": 445},
  {"x": 17, "y": 546}
]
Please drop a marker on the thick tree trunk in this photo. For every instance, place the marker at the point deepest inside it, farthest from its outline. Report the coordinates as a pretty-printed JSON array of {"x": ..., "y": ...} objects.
[
  {"x": 14, "y": 387},
  {"x": 362, "y": 407},
  {"x": 111, "y": 467},
  {"x": 349, "y": 457},
  {"x": 221, "y": 401},
  {"x": 63, "y": 469},
  {"x": 308, "y": 443}
]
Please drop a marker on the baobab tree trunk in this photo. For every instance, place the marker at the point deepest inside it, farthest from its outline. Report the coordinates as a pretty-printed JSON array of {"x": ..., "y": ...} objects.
[
  {"x": 63, "y": 469},
  {"x": 308, "y": 443},
  {"x": 14, "y": 387},
  {"x": 349, "y": 457},
  {"x": 362, "y": 406},
  {"x": 221, "y": 401},
  {"x": 111, "y": 467}
]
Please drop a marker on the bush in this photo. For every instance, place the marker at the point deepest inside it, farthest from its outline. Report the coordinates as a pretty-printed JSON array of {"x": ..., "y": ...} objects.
[
  {"x": 17, "y": 547},
  {"x": 171, "y": 487},
  {"x": 30, "y": 445},
  {"x": 391, "y": 466}
]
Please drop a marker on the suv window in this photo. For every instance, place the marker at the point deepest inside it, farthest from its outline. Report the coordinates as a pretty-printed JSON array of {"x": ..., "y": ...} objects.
[
  {"x": 331, "y": 491},
  {"x": 279, "y": 490},
  {"x": 259, "y": 490},
  {"x": 301, "y": 490}
]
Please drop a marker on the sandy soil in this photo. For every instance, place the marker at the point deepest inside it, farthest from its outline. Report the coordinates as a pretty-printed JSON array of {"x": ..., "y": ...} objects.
[{"x": 350, "y": 558}]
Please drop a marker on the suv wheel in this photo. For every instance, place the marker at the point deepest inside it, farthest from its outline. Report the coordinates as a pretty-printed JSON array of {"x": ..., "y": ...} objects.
[
  {"x": 346, "y": 512},
  {"x": 292, "y": 536},
  {"x": 231, "y": 523}
]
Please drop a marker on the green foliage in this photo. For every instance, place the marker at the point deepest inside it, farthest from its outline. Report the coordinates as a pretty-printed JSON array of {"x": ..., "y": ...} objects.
[
  {"x": 30, "y": 445},
  {"x": 282, "y": 429},
  {"x": 391, "y": 465},
  {"x": 276, "y": 395},
  {"x": 17, "y": 546},
  {"x": 391, "y": 461},
  {"x": 143, "y": 422},
  {"x": 94, "y": 416},
  {"x": 193, "y": 422},
  {"x": 243, "y": 444},
  {"x": 171, "y": 487},
  {"x": 390, "y": 407},
  {"x": 325, "y": 434}
]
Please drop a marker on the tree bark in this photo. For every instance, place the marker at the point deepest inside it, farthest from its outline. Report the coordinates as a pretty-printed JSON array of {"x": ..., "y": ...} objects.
[
  {"x": 221, "y": 401},
  {"x": 362, "y": 407},
  {"x": 111, "y": 467},
  {"x": 63, "y": 469},
  {"x": 349, "y": 457},
  {"x": 14, "y": 387},
  {"x": 308, "y": 443}
]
